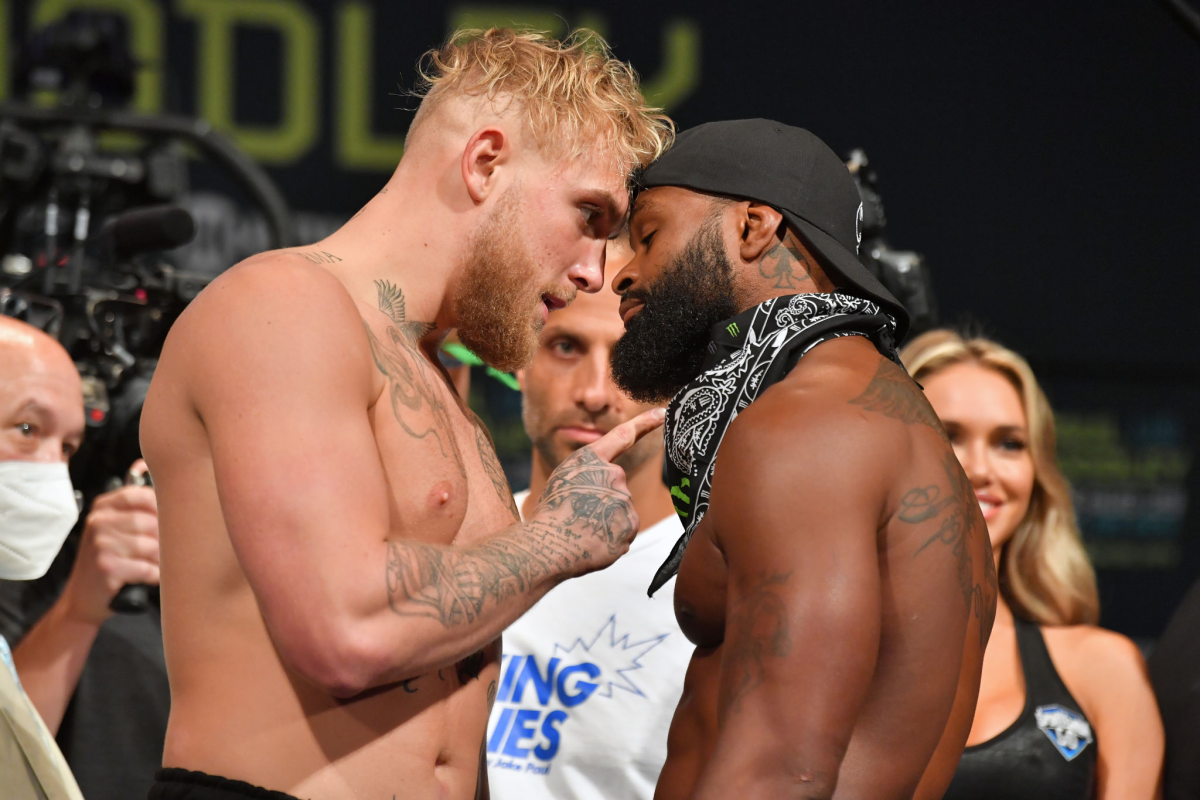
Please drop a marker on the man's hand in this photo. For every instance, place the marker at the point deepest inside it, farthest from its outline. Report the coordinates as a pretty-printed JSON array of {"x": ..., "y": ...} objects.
[
  {"x": 586, "y": 498},
  {"x": 119, "y": 546}
]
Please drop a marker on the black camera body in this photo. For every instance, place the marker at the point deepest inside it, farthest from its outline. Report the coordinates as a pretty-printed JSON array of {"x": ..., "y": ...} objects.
[
  {"x": 903, "y": 272},
  {"x": 85, "y": 222}
]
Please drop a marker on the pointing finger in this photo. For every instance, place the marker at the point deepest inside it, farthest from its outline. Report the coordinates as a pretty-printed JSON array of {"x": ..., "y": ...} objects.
[{"x": 625, "y": 435}]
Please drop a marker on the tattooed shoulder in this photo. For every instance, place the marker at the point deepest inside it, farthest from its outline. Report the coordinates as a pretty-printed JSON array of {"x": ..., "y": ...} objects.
[
  {"x": 892, "y": 393},
  {"x": 391, "y": 303},
  {"x": 318, "y": 256},
  {"x": 955, "y": 512}
]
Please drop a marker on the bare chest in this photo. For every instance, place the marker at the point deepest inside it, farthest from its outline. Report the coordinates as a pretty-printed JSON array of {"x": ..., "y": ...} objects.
[
  {"x": 700, "y": 590},
  {"x": 446, "y": 483}
]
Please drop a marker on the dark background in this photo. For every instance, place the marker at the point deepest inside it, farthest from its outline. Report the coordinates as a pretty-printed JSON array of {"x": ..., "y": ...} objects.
[{"x": 1042, "y": 155}]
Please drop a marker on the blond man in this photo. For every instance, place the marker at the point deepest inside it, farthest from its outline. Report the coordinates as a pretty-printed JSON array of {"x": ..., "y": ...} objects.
[{"x": 340, "y": 549}]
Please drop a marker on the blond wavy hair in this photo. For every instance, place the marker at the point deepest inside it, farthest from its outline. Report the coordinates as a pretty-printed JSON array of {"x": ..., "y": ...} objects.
[
  {"x": 572, "y": 93},
  {"x": 1044, "y": 570}
]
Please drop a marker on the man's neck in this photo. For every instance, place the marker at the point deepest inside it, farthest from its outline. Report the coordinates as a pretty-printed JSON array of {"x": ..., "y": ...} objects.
[
  {"x": 785, "y": 269},
  {"x": 650, "y": 497},
  {"x": 398, "y": 244}
]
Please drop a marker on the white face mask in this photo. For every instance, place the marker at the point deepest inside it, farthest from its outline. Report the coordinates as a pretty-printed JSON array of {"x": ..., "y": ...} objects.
[{"x": 37, "y": 511}]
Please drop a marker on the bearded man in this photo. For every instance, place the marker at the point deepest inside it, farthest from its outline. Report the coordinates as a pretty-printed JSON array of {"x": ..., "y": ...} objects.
[
  {"x": 834, "y": 572},
  {"x": 340, "y": 549}
]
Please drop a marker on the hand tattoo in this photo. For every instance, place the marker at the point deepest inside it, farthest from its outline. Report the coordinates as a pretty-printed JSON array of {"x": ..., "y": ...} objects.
[{"x": 582, "y": 487}]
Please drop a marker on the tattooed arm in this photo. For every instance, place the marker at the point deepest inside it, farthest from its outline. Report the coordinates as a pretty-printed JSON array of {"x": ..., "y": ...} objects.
[
  {"x": 795, "y": 510},
  {"x": 281, "y": 374}
]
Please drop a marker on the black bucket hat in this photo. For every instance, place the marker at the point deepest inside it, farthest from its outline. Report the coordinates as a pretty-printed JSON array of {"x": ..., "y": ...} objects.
[{"x": 792, "y": 171}]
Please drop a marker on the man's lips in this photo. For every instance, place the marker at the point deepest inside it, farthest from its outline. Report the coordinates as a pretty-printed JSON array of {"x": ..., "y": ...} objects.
[
  {"x": 629, "y": 308},
  {"x": 579, "y": 434},
  {"x": 554, "y": 303}
]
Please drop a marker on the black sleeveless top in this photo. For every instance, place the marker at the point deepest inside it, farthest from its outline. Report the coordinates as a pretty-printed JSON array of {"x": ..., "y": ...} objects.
[{"x": 1049, "y": 753}]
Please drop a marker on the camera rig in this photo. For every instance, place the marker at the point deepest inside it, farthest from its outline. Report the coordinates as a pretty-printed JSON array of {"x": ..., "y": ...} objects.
[
  {"x": 86, "y": 215},
  {"x": 902, "y": 272}
]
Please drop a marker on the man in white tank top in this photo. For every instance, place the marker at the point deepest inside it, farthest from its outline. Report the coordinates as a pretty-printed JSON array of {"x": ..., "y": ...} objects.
[{"x": 592, "y": 673}]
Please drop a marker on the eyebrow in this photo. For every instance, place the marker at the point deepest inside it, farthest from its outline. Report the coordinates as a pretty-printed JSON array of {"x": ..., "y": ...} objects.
[
  {"x": 642, "y": 204},
  {"x": 611, "y": 207}
]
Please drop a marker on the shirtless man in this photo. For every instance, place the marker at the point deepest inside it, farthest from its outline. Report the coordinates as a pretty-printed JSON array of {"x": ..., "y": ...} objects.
[
  {"x": 838, "y": 583},
  {"x": 339, "y": 543}
]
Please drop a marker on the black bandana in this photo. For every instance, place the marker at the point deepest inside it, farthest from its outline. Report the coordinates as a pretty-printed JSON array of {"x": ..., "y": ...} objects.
[{"x": 749, "y": 353}]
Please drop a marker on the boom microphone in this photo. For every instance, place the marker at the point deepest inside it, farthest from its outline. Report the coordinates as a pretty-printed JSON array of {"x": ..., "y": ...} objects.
[{"x": 147, "y": 230}]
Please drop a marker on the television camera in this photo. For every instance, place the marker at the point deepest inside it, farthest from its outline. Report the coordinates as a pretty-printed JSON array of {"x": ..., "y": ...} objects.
[
  {"x": 86, "y": 217},
  {"x": 903, "y": 272}
]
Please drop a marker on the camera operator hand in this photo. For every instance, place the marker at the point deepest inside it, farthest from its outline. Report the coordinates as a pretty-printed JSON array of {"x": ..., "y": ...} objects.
[{"x": 119, "y": 546}]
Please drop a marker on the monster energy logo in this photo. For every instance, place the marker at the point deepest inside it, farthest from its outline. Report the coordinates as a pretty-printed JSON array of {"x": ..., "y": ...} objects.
[
  {"x": 732, "y": 328},
  {"x": 677, "y": 492}
]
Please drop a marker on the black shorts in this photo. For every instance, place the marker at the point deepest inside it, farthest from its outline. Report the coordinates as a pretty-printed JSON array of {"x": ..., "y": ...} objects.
[{"x": 183, "y": 784}]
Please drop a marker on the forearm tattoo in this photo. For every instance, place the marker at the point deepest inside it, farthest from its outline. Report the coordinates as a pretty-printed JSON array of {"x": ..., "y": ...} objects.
[
  {"x": 456, "y": 586},
  {"x": 757, "y": 630}
]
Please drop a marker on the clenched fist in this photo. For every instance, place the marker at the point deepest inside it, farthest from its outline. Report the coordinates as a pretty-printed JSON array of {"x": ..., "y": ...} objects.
[
  {"x": 586, "y": 503},
  {"x": 119, "y": 546}
]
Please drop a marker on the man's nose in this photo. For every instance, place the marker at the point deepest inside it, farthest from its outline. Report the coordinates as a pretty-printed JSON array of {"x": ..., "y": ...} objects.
[
  {"x": 588, "y": 272},
  {"x": 626, "y": 278},
  {"x": 593, "y": 390}
]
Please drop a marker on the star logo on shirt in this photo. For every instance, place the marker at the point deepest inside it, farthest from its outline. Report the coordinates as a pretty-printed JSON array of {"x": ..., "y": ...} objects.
[{"x": 616, "y": 656}]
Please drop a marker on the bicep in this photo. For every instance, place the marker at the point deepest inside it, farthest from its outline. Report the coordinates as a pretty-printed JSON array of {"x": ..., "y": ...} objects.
[
  {"x": 282, "y": 390},
  {"x": 803, "y": 611}
]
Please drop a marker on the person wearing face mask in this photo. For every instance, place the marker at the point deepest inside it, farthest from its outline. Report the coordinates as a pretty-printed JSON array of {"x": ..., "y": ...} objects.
[
  {"x": 1065, "y": 708},
  {"x": 96, "y": 679},
  {"x": 38, "y": 383}
]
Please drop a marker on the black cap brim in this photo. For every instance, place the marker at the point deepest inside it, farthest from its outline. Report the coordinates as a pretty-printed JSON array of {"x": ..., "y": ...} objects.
[{"x": 844, "y": 265}]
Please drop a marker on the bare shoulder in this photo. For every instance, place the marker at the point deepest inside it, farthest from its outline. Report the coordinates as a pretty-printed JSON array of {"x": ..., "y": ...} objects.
[
  {"x": 1103, "y": 669},
  {"x": 1093, "y": 656},
  {"x": 802, "y": 445},
  {"x": 274, "y": 307}
]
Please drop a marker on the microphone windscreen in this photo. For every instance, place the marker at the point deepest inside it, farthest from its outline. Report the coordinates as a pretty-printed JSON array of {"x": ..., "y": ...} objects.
[{"x": 149, "y": 229}]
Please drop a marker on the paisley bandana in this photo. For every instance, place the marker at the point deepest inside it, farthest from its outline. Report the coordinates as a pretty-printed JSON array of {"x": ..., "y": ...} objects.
[{"x": 747, "y": 354}]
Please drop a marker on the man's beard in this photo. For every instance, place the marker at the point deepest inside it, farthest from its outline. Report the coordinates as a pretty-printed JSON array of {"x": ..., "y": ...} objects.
[
  {"x": 664, "y": 343},
  {"x": 496, "y": 303}
]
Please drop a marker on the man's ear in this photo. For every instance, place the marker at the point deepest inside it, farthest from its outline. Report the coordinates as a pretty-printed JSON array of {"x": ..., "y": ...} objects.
[
  {"x": 758, "y": 229},
  {"x": 487, "y": 149}
]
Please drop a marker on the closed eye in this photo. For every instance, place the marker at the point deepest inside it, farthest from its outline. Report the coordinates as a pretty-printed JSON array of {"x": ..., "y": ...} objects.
[{"x": 649, "y": 237}]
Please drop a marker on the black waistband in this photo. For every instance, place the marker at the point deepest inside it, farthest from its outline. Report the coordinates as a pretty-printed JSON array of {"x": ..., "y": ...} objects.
[{"x": 184, "y": 784}]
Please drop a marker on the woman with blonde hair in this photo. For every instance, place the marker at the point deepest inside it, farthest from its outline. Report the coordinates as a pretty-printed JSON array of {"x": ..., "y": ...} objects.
[{"x": 1065, "y": 708}]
